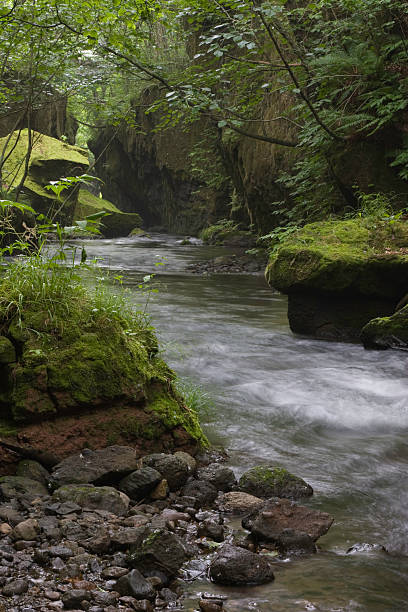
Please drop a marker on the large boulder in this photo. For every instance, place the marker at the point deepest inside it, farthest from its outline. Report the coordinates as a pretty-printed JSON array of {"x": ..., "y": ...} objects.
[
  {"x": 269, "y": 481},
  {"x": 172, "y": 468},
  {"x": 339, "y": 275},
  {"x": 286, "y": 524},
  {"x": 116, "y": 223},
  {"x": 104, "y": 466},
  {"x": 94, "y": 498},
  {"x": 15, "y": 487},
  {"x": 50, "y": 160},
  {"x": 233, "y": 565}
]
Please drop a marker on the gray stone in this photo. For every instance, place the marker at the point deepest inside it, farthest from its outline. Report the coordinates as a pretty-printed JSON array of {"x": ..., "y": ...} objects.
[
  {"x": 238, "y": 502},
  {"x": 220, "y": 476},
  {"x": 188, "y": 460},
  {"x": 100, "y": 467},
  {"x": 129, "y": 536},
  {"x": 15, "y": 587},
  {"x": 204, "y": 492},
  {"x": 33, "y": 470},
  {"x": 140, "y": 483},
  {"x": 271, "y": 481},
  {"x": 238, "y": 566},
  {"x": 278, "y": 515},
  {"x": 136, "y": 585},
  {"x": 27, "y": 530},
  {"x": 15, "y": 487},
  {"x": 72, "y": 599},
  {"x": 172, "y": 468},
  {"x": 95, "y": 498}
]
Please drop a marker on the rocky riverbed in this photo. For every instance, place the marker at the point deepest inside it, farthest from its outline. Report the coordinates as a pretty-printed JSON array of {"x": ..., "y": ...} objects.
[{"x": 109, "y": 530}]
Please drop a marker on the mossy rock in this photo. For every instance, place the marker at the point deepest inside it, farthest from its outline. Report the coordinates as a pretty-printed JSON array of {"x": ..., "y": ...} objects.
[
  {"x": 353, "y": 256},
  {"x": 270, "y": 481},
  {"x": 387, "y": 332},
  {"x": 50, "y": 160},
  {"x": 340, "y": 274},
  {"x": 81, "y": 359},
  {"x": 116, "y": 224}
]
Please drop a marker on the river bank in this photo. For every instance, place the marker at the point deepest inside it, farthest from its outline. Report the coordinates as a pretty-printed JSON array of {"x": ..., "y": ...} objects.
[{"x": 331, "y": 412}]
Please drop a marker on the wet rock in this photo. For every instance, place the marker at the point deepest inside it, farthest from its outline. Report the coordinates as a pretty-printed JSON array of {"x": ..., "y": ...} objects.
[
  {"x": 136, "y": 585},
  {"x": 16, "y": 487},
  {"x": 238, "y": 502},
  {"x": 95, "y": 498},
  {"x": 15, "y": 587},
  {"x": 114, "y": 572},
  {"x": 140, "y": 483},
  {"x": 269, "y": 481},
  {"x": 365, "y": 548},
  {"x": 33, "y": 470},
  {"x": 204, "y": 492},
  {"x": 27, "y": 530},
  {"x": 291, "y": 542},
  {"x": 100, "y": 467},
  {"x": 172, "y": 468},
  {"x": 73, "y": 598},
  {"x": 188, "y": 460},
  {"x": 212, "y": 530},
  {"x": 160, "y": 550},
  {"x": 206, "y": 605},
  {"x": 220, "y": 476},
  {"x": 237, "y": 566},
  {"x": 278, "y": 515}
]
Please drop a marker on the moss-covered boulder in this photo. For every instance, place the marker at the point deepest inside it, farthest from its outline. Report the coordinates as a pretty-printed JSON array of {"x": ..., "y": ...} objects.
[
  {"x": 116, "y": 224},
  {"x": 50, "y": 160},
  {"x": 87, "y": 372},
  {"x": 387, "y": 332},
  {"x": 270, "y": 481},
  {"x": 340, "y": 274}
]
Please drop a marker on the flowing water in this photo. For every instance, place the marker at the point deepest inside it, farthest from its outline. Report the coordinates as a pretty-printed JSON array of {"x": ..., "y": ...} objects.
[{"x": 333, "y": 413}]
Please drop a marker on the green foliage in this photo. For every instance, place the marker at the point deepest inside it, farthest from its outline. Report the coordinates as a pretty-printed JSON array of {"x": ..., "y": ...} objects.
[
  {"x": 216, "y": 234},
  {"x": 196, "y": 397}
]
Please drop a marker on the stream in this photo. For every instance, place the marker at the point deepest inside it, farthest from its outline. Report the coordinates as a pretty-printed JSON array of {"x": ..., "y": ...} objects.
[{"x": 332, "y": 413}]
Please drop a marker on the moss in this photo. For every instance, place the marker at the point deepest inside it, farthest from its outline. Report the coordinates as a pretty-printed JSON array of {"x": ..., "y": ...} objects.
[
  {"x": 343, "y": 256},
  {"x": 387, "y": 332},
  {"x": 264, "y": 481},
  {"x": 118, "y": 223},
  {"x": 51, "y": 159},
  {"x": 174, "y": 413}
]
